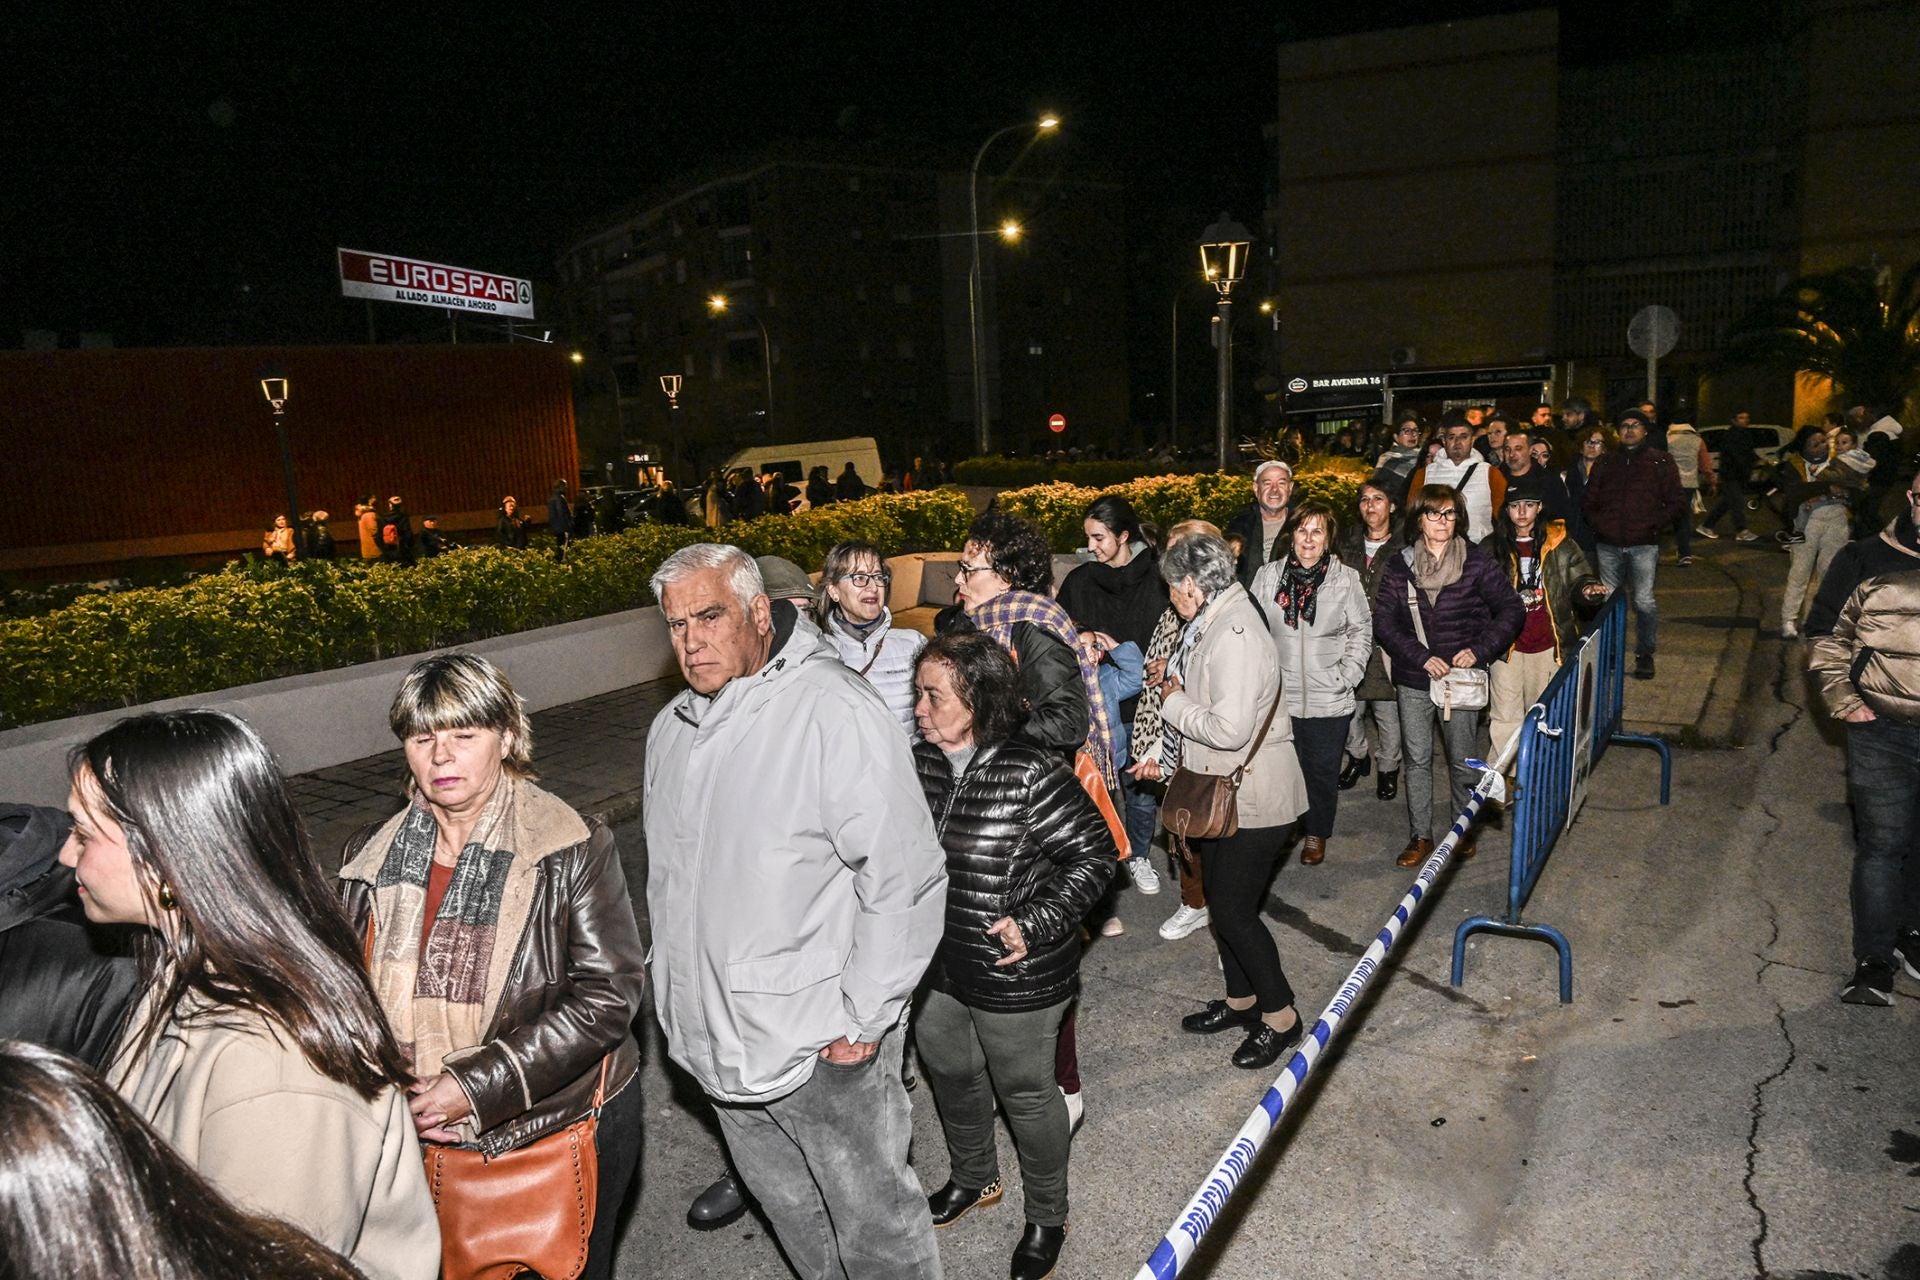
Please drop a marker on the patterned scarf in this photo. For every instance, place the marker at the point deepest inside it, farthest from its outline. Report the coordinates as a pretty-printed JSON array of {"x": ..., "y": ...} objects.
[
  {"x": 1172, "y": 742},
  {"x": 1146, "y": 712},
  {"x": 998, "y": 617},
  {"x": 442, "y": 998},
  {"x": 1299, "y": 590}
]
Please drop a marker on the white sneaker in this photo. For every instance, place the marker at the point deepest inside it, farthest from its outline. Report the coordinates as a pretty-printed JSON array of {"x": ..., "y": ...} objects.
[
  {"x": 1184, "y": 921},
  {"x": 1112, "y": 928},
  {"x": 1746, "y": 535},
  {"x": 1076, "y": 1111},
  {"x": 1700, "y": 531},
  {"x": 1145, "y": 878}
]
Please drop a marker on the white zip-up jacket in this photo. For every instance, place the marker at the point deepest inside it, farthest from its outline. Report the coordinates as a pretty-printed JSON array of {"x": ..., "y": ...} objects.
[
  {"x": 794, "y": 883},
  {"x": 885, "y": 658}
]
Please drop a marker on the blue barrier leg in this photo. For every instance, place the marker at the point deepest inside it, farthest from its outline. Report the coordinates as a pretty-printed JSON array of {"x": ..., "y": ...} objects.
[
  {"x": 1468, "y": 927},
  {"x": 1544, "y": 932},
  {"x": 1666, "y": 759}
]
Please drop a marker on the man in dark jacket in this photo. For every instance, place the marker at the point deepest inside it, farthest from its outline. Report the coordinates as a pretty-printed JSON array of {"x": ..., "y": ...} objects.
[
  {"x": 849, "y": 486},
  {"x": 1737, "y": 460},
  {"x": 63, "y": 983},
  {"x": 1517, "y": 462},
  {"x": 560, "y": 518},
  {"x": 1258, "y": 526},
  {"x": 1633, "y": 494},
  {"x": 396, "y": 533}
]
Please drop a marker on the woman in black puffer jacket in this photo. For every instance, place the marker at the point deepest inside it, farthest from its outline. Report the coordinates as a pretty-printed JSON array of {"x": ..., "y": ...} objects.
[{"x": 1027, "y": 855}]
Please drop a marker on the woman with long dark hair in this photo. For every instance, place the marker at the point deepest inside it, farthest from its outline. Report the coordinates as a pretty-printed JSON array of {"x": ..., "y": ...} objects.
[
  {"x": 88, "y": 1191},
  {"x": 259, "y": 1051}
]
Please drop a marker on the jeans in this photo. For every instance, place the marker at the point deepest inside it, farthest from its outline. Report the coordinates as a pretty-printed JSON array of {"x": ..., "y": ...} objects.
[
  {"x": 1141, "y": 814},
  {"x": 828, "y": 1164},
  {"x": 1732, "y": 500},
  {"x": 1633, "y": 566},
  {"x": 1319, "y": 743},
  {"x": 616, "y": 1144},
  {"x": 1883, "y": 772},
  {"x": 975, "y": 1056},
  {"x": 1237, "y": 871},
  {"x": 1384, "y": 735},
  {"x": 1826, "y": 533},
  {"x": 1418, "y": 716}
]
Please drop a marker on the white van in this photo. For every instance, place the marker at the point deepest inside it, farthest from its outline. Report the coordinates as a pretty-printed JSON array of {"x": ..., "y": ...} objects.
[{"x": 797, "y": 458}]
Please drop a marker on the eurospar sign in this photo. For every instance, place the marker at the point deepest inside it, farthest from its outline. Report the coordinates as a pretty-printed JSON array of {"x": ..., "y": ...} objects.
[{"x": 386, "y": 278}]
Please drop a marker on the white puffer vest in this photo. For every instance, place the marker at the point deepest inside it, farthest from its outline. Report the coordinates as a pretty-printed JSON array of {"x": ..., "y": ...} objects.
[{"x": 885, "y": 658}]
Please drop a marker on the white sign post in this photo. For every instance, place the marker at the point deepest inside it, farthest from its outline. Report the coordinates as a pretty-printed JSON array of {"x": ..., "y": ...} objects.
[{"x": 385, "y": 277}]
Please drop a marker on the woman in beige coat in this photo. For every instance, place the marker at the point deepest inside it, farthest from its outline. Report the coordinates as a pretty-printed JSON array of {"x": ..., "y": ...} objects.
[
  {"x": 1221, "y": 684},
  {"x": 259, "y": 1051}
]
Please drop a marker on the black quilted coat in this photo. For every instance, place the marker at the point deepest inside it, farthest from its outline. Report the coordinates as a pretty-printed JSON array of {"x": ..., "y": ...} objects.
[{"x": 1022, "y": 840}]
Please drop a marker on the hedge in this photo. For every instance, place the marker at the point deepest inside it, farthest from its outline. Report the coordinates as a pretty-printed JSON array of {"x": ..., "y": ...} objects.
[
  {"x": 1060, "y": 509},
  {"x": 258, "y": 621},
  {"x": 1006, "y": 472}
]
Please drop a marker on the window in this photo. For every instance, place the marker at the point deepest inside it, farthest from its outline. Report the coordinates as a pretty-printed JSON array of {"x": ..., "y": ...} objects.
[{"x": 1034, "y": 348}]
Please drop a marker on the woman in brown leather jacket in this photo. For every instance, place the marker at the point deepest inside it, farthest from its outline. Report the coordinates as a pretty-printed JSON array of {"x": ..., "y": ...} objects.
[{"x": 501, "y": 938}]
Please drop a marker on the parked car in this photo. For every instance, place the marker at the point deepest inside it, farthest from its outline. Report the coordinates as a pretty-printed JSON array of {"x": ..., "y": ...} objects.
[{"x": 1770, "y": 440}]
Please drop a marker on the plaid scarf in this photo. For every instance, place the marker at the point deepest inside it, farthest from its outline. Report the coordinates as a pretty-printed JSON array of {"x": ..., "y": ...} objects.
[
  {"x": 441, "y": 998},
  {"x": 1299, "y": 588},
  {"x": 1146, "y": 712},
  {"x": 998, "y": 617}
]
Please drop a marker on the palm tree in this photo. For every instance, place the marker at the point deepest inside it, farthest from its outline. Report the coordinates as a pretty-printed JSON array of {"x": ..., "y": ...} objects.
[{"x": 1857, "y": 327}]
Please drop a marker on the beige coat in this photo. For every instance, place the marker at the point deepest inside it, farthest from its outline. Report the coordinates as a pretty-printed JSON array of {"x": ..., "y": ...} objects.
[
  {"x": 1230, "y": 680},
  {"x": 241, "y": 1104},
  {"x": 1872, "y": 657}
]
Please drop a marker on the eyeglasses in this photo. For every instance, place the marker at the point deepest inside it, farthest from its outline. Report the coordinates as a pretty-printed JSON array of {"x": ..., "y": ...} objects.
[
  {"x": 1440, "y": 515},
  {"x": 965, "y": 570},
  {"x": 864, "y": 580}
]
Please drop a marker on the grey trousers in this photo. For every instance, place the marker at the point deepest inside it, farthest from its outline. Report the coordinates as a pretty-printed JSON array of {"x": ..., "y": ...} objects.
[
  {"x": 828, "y": 1164},
  {"x": 973, "y": 1056},
  {"x": 1420, "y": 724},
  {"x": 1376, "y": 726}
]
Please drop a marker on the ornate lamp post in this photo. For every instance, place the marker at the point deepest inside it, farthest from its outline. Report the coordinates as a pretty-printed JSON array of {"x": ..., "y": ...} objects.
[
  {"x": 1223, "y": 260},
  {"x": 983, "y": 430},
  {"x": 278, "y": 389}
]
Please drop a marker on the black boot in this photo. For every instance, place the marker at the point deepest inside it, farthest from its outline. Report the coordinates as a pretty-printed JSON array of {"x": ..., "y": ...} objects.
[
  {"x": 950, "y": 1203},
  {"x": 1217, "y": 1016},
  {"x": 1389, "y": 785},
  {"x": 1353, "y": 771},
  {"x": 718, "y": 1205},
  {"x": 1039, "y": 1249}
]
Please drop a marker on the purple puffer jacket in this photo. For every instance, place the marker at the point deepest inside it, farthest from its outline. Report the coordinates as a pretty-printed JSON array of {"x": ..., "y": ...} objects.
[{"x": 1481, "y": 612}]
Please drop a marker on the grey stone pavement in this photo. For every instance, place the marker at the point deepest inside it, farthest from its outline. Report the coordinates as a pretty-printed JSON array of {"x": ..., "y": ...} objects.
[{"x": 1705, "y": 1106}]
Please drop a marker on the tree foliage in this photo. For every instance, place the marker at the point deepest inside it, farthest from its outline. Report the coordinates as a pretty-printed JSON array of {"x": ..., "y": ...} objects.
[{"x": 1857, "y": 327}]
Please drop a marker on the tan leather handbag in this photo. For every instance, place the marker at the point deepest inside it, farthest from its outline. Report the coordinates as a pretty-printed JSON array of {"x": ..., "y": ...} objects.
[{"x": 1206, "y": 806}]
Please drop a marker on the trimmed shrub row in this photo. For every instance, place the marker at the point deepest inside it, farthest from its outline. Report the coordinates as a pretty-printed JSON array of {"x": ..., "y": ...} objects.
[
  {"x": 1060, "y": 509},
  {"x": 1008, "y": 472},
  {"x": 257, "y": 621}
]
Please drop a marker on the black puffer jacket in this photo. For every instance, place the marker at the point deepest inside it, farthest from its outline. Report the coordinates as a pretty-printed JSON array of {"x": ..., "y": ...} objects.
[{"x": 1022, "y": 840}]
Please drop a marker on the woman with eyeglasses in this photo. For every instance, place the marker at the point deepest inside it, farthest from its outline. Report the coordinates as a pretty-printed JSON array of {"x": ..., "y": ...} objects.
[
  {"x": 1469, "y": 614},
  {"x": 853, "y": 614},
  {"x": 1591, "y": 443}
]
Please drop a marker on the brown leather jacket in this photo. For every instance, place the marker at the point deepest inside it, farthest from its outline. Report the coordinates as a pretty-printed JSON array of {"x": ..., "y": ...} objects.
[
  {"x": 1872, "y": 656},
  {"x": 570, "y": 998}
]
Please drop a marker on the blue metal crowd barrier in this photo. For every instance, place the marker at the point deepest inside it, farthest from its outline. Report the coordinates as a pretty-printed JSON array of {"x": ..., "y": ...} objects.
[{"x": 1549, "y": 764}]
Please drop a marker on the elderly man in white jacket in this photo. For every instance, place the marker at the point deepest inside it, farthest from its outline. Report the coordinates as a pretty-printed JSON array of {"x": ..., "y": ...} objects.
[{"x": 797, "y": 893}]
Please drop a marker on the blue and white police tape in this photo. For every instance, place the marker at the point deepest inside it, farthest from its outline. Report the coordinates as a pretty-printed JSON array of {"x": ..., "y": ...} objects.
[{"x": 1176, "y": 1248}]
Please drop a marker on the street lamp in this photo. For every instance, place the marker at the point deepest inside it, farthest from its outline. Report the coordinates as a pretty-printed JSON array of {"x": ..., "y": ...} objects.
[
  {"x": 719, "y": 305},
  {"x": 983, "y": 432},
  {"x": 278, "y": 389},
  {"x": 1223, "y": 261}
]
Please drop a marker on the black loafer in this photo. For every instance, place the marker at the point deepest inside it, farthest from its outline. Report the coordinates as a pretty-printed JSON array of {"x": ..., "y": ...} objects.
[
  {"x": 1037, "y": 1253},
  {"x": 950, "y": 1203},
  {"x": 1263, "y": 1045},
  {"x": 1217, "y": 1016},
  {"x": 1389, "y": 784},
  {"x": 1353, "y": 771},
  {"x": 718, "y": 1205}
]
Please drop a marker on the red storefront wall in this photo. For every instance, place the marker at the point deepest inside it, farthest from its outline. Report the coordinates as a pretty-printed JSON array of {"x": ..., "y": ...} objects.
[{"x": 173, "y": 452}]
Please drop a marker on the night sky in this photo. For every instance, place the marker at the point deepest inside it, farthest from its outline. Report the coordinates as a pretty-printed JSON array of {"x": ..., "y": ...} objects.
[{"x": 189, "y": 168}]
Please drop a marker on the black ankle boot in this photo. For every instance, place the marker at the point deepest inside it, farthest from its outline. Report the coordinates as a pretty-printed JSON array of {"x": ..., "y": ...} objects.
[
  {"x": 1354, "y": 771},
  {"x": 1039, "y": 1249},
  {"x": 1389, "y": 785},
  {"x": 950, "y": 1203}
]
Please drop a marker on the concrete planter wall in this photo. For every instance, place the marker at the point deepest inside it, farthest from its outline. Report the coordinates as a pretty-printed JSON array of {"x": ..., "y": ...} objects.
[{"x": 330, "y": 717}]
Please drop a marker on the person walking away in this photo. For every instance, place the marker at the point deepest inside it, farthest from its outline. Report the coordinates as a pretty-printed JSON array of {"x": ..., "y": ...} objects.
[
  {"x": 1632, "y": 496},
  {"x": 396, "y": 533},
  {"x": 849, "y": 487},
  {"x": 797, "y": 892},
  {"x": 1117, "y": 600},
  {"x": 1223, "y": 712},
  {"x": 368, "y": 521},
  {"x": 1868, "y": 671},
  {"x": 1738, "y": 458},
  {"x": 1259, "y": 525},
  {"x": 819, "y": 489},
  {"x": 1482, "y": 485},
  {"x": 320, "y": 544},
  {"x": 1316, "y": 610},
  {"x": 1027, "y": 856},
  {"x": 1374, "y": 740},
  {"x": 1443, "y": 604},
  {"x": 1882, "y": 443},
  {"x": 1695, "y": 467},
  {"x": 560, "y": 519},
  {"x": 1556, "y": 587},
  {"x": 501, "y": 940}
]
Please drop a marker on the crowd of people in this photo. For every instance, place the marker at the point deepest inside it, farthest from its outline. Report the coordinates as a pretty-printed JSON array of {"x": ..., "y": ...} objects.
[{"x": 865, "y": 848}]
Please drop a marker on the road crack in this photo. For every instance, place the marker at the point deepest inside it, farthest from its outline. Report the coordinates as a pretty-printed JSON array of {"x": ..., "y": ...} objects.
[{"x": 1757, "y": 1109}]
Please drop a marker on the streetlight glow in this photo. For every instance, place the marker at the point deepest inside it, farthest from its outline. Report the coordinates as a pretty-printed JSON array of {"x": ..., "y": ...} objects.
[
  {"x": 717, "y": 303},
  {"x": 577, "y": 358},
  {"x": 1010, "y": 231},
  {"x": 1049, "y": 121}
]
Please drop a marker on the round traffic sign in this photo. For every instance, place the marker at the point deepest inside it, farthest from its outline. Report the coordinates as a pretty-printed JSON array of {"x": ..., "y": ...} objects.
[{"x": 1057, "y": 423}]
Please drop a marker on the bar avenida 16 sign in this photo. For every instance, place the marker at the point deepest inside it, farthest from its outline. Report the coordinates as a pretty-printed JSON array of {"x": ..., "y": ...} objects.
[{"x": 386, "y": 278}]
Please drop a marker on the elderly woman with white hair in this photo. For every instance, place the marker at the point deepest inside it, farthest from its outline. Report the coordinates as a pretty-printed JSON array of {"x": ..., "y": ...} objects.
[{"x": 1222, "y": 713}]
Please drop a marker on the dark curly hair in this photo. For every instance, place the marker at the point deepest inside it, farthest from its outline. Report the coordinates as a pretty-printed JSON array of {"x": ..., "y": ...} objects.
[
  {"x": 1016, "y": 550},
  {"x": 985, "y": 679}
]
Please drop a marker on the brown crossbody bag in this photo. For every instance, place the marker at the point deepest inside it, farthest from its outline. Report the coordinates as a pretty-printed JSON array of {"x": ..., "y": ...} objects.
[{"x": 1206, "y": 806}]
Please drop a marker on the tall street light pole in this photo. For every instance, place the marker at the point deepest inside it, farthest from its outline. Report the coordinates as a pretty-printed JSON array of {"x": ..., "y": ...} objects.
[
  {"x": 278, "y": 389},
  {"x": 719, "y": 305},
  {"x": 983, "y": 430},
  {"x": 1223, "y": 260}
]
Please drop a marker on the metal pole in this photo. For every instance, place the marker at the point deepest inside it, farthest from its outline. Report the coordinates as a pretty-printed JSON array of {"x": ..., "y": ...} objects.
[
  {"x": 1653, "y": 375},
  {"x": 1173, "y": 383},
  {"x": 983, "y": 429},
  {"x": 766, "y": 358},
  {"x": 286, "y": 464},
  {"x": 1225, "y": 425}
]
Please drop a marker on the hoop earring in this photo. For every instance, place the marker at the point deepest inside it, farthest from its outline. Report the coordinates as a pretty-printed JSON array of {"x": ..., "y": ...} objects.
[{"x": 166, "y": 899}]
